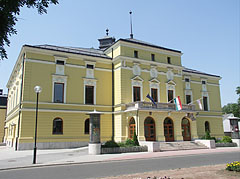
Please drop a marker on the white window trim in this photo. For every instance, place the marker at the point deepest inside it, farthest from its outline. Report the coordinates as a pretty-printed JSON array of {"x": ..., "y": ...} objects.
[
  {"x": 90, "y": 82},
  {"x": 59, "y": 79},
  {"x": 155, "y": 86},
  {"x": 205, "y": 94},
  {"x": 90, "y": 63},
  {"x": 136, "y": 83},
  {"x": 170, "y": 87}
]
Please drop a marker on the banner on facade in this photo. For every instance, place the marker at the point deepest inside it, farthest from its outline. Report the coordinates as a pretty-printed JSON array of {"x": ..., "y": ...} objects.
[
  {"x": 199, "y": 104},
  {"x": 149, "y": 97}
]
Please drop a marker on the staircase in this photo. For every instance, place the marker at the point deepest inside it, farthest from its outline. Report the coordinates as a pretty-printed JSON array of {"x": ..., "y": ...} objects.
[{"x": 185, "y": 145}]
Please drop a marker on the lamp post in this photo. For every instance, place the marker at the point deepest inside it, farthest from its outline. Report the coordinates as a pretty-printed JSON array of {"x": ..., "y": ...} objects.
[{"x": 37, "y": 90}]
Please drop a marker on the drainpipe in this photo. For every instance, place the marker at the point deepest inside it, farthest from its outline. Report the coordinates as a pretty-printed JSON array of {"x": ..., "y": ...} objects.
[
  {"x": 112, "y": 98},
  {"x": 20, "y": 104}
]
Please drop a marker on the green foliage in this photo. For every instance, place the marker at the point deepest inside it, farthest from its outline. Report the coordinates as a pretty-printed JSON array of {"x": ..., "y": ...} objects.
[
  {"x": 234, "y": 166},
  {"x": 135, "y": 139},
  {"x": 110, "y": 144},
  {"x": 9, "y": 9},
  {"x": 129, "y": 142},
  {"x": 226, "y": 139},
  {"x": 232, "y": 108},
  {"x": 208, "y": 136}
]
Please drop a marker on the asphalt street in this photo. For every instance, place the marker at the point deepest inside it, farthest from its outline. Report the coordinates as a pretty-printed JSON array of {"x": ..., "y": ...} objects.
[{"x": 114, "y": 168}]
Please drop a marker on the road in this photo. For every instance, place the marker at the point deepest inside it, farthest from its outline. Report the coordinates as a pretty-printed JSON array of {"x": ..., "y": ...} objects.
[{"x": 113, "y": 168}]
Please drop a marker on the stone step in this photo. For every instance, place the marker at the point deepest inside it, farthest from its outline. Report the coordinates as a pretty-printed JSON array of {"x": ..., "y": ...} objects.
[{"x": 186, "y": 145}]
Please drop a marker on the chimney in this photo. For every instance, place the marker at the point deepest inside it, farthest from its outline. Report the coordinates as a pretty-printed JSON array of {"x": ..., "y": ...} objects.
[{"x": 106, "y": 41}]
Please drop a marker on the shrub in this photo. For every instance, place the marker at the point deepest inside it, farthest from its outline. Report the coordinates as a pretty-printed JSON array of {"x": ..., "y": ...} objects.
[
  {"x": 207, "y": 136},
  {"x": 110, "y": 144},
  {"x": 129, "y": 142},
  {"x": 135, "y": 139},
  {"x": 226, "y": 139},
  {"x": 234, "y": 166}
]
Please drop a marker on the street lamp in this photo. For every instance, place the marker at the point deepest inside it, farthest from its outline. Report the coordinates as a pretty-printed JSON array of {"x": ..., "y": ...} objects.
[{"x": 37, "y": 90}]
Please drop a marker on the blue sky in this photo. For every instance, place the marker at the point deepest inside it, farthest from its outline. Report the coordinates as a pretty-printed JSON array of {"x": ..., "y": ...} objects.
[{"x": 207, "y": 32}]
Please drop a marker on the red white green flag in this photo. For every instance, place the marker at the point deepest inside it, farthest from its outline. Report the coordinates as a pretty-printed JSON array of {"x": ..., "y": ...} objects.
[{"x": 178, "y": 103}]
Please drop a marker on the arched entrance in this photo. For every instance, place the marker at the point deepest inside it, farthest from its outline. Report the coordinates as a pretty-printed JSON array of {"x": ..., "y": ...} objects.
[
  {"x": 149, "y": 129},
  {"x": 168, "y": 130},
  {"x": 132, "y": 128},
  {"x": 186, "y": 130}
]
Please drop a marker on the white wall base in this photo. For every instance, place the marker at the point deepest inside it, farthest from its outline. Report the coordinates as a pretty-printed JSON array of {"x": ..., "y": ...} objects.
[
  {"x": 94, "y": 149},
  {"x": 152, "y": 146},
  {"x": 209, "y": 143},
  {"x": 237, "y": 141}
]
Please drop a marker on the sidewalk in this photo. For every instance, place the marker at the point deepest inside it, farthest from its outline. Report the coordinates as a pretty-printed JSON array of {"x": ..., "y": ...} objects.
[{"x": 10, "y": 159}]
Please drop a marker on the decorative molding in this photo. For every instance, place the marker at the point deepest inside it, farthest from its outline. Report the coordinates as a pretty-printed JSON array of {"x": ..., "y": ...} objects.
[{"x": 136, "y": 69}]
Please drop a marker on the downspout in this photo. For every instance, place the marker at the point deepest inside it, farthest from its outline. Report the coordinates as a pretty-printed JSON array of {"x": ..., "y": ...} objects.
[
  {"x": 20, "y": 103},
  {"x": 112, "y": 98}
]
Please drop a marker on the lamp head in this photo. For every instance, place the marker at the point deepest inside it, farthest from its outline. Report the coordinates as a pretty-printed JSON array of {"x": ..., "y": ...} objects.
[{"x": 37, "y": 89}]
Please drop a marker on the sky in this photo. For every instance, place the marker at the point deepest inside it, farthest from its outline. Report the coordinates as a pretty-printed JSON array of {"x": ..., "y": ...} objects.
[{"x": 207, "y": 32}]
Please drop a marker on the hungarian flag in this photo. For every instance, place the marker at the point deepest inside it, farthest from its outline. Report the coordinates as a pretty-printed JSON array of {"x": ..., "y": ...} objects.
[{"x": 178, "y": 103}]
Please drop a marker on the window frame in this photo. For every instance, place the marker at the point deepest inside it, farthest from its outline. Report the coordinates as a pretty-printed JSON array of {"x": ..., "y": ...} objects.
[
  {"x": 169, "y": 60},
  {"x": 190, "y": 97},
  {"x": 63, "y": 86},
  {"x": 153, "y": 95},
  {"x": 57, "y": 132},
  {"x": 87, "y": 132},
  {"x": 205, "y": 103},
  {"x": 135, "y": 53},
  {"x": 135, "y": 89},
  {"x": 153, "y": 57},
  {"x": 93, "y": 95},
  {"x": 172, "y": 95}
]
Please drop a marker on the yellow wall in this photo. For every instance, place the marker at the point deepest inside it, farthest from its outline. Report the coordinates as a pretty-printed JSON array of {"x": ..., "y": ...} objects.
[{"x": 2, "y": 119}]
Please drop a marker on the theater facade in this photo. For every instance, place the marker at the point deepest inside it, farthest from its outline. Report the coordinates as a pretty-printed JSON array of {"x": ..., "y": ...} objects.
[{"x": 115, "y": 80}]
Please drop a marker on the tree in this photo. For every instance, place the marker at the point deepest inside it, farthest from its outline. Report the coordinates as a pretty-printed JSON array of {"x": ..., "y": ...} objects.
[
  {"x": 233, "y": 107},
  {"x": 9, "y": 9}
]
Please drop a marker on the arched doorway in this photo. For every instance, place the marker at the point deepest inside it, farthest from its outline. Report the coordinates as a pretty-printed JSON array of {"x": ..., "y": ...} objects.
[
  {"x": 207, "y": 127},
  {"x": 186, "y": 130},
  {"x": 132, "y": 128},
  {"x": 168, "y": 130},
  {"x": 149, "y": 129}
]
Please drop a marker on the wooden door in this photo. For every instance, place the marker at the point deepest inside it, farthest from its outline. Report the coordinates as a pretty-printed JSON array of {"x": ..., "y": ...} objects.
[
  {"x": 168, "y": 130},
  {"x": 149, "y": 129},
  {"x": 186, "y": 131},
  {"x": 132, "y": 128}
]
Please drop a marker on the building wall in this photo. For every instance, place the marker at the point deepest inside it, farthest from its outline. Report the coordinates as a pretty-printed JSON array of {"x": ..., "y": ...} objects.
[{"x": 2, "y": 119}]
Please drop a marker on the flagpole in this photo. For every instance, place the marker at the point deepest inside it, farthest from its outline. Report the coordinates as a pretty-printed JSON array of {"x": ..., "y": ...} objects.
[{"x": 195, "y": 101}]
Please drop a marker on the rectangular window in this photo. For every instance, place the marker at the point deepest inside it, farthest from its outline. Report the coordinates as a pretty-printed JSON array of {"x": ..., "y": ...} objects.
[
  {"x": 188, "y": 99},
  {"x": 58, "y": 92},
  {"x": 205, "y": 103},
  {"x": 89, "y": 94},
  {"x": 170, "y": 96},
  {"x": 135, "y": 53},
  {"x": 136, "y": 93},
  {"x": 154, "y": 93},
  {"x": 153, "y": 57},
  {"x": 203, "y": 82},
  {"x": 90, "y": 66},
  {"x": 60, "y": 62},
  {"x": 187, "y": 80},
  {"x": 169, "y": 60}
]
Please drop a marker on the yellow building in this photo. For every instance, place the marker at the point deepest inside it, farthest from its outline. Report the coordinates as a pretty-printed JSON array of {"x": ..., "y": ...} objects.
[
  {"x": 114, "y": 79},
  {"x": 3, "y": 107}
]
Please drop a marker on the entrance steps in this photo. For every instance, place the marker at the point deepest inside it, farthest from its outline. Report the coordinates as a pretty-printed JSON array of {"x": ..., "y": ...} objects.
[{"x": 185, "y": 145}]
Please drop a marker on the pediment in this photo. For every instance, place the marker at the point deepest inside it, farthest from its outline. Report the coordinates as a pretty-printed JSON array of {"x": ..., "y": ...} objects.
[
  {"x": 137, "y": 78},
  {"x": 154, "y": 80},
  {"x": 171, "y": 82}
]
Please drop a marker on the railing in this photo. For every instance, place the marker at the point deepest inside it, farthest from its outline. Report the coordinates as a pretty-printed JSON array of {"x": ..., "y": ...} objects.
[{"x": 159, "y": 106}]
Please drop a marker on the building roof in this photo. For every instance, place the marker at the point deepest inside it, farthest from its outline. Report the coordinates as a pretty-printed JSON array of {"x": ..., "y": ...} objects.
[
  {"x": 188, "y": 70},
  {"x": 75, "y": 50},
  {"x": 140, "y": 42},
  {"x": 230, "y": 116}
]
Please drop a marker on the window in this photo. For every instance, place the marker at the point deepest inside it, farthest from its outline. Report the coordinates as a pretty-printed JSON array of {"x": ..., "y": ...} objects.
[
  {"x": 169, "y": 60},
  {"x": 187, "y": 80},
  {"x": 86, "y": 126},
  {"x": 170, "y": 96},
  {"x": 207, "y": 126},
  {"x": 153, "y": 57},
  {"x": 188, "y": 99},
  {"x": 205, "y": 103},
  {"x": 135, "y": 53},
  {"x": 136, "y": 93},
  {"x": 203, "y": 82},
  {"x": 58, "y": 92},
  {"x": 90, "y": 66},
  {"x": 57, "y": 126},
  {"x": 89, "y": 94},
  {"x": 154, "y": 93},
  {"x": 60, "y": 62}
]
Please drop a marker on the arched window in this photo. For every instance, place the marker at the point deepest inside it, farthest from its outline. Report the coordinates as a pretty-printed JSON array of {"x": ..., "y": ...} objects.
[
  {"x": 207, "y": 126},
  {"x": 86, "y": 126},
  {"x": 132, "y": 127},
  {"x": 57, "y": 126}
]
